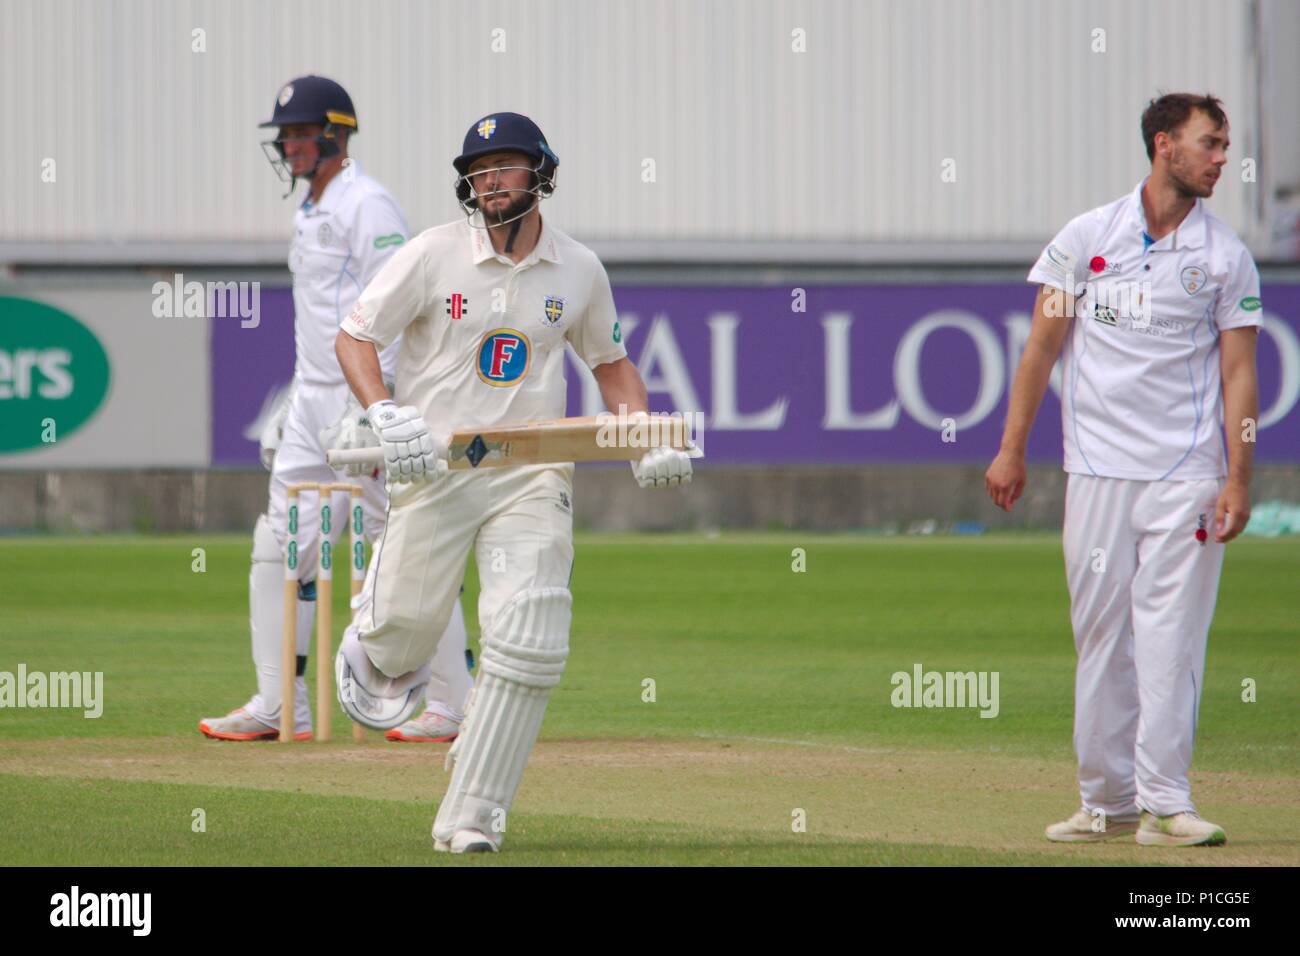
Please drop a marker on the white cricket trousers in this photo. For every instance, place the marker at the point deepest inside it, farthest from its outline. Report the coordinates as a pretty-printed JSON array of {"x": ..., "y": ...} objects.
[
  {"x": 1143, "y": 570},
  {"x": 519, "y": 522}
]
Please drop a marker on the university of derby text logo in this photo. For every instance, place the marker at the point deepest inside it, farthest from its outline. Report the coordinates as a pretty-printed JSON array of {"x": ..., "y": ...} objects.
[
  {"x": 487, "y": 127},
  {"x": 1192, "y": 278},
  {"x": 503, "y": 356},
  {"x": 553, "y": 310}
]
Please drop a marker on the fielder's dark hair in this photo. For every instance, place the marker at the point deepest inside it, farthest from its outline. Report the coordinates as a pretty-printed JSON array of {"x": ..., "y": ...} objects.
[{"x": 1167, "y": 113}]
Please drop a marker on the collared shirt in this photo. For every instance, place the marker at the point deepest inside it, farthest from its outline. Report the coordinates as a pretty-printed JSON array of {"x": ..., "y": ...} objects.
[
  {"x": 483, "y": 339},
  {"x": 339, "y": 245},
  {"x": 1141, "y": 387}
]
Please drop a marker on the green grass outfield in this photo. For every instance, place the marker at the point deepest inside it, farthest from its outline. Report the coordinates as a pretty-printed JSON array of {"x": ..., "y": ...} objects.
[{"x": 772, "y": 704}]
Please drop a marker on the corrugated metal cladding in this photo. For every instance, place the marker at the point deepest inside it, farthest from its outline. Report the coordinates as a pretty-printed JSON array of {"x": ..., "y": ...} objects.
[{"x": 152, "y": 126}]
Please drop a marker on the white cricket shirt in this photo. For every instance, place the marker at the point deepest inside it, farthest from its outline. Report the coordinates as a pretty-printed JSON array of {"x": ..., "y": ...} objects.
[
  {"x": 339, "y": 245},
  {"x": 483, "y": 339},
  {"x": 1141, "y": 392}
]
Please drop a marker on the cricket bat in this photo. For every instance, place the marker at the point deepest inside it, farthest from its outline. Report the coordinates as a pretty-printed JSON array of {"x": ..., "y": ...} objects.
[{"x": 593, "y": 438}]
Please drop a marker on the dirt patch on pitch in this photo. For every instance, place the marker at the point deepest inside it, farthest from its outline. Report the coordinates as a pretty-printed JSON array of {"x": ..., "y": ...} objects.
[{"x": 727, "y": 785}]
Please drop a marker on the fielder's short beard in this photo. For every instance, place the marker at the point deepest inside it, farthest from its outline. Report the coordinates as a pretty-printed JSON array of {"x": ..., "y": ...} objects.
[{"x": 1187, "y": 189}]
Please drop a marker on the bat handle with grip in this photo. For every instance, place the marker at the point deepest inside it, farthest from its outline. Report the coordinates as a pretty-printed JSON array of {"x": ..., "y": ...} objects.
[{"x": 338, "y": 457}]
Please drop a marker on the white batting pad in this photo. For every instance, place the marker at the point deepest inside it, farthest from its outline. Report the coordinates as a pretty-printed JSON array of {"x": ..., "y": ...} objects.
[
  {"x": 522, "y": 657},
  {"x": 266, "y": 618}
]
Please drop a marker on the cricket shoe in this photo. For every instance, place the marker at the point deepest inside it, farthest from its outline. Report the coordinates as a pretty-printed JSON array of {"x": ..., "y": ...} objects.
[
  {"x": 239, "y": 724},
  {"x": 1083, "y": 827},
  {"x": 1179, "y": 829},
  {"x": 466, "y": 841},
  {"x": 370, "y": 697},
  {"x": 429, "y": 728}
]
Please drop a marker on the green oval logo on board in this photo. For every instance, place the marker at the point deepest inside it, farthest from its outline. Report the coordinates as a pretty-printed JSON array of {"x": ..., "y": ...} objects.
[{"x": 54, "y": 374}]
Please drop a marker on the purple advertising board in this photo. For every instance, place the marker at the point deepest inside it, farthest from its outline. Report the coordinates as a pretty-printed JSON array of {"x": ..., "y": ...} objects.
[{"x": 868, "y": 373}]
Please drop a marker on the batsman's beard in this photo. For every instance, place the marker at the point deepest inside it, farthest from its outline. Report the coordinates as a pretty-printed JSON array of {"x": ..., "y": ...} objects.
[{"x": 518, "y": 207}]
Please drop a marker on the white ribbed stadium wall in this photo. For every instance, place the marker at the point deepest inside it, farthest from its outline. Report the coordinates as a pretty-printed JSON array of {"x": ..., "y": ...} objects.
[{"x": 760, "y": 152}]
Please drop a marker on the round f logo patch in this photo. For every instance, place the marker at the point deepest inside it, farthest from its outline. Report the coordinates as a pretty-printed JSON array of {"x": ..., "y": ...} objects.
[{"x": 503, "y": 356}]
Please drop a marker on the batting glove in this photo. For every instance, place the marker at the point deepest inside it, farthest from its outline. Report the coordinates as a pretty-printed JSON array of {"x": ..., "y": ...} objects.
[
  {"x": 273, "y": 430},
  {"x": 411, "y": 453},
  {"x": 352, "y": 430},
  {"x": 661, "y": 467}
]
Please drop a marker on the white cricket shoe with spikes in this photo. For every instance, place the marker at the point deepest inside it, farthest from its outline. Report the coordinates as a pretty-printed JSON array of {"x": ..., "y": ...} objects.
[
  {"x": 1179, "y": 829},
  {"x": 466, "y": 841},
  {"x": 1083, "y": 827},
  {"x": 430, "y": 727}
]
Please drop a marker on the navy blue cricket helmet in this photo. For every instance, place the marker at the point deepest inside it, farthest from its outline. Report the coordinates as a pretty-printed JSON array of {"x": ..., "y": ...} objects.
[
  {"x": 310, "y": 99},
  {"x": 498, "y": 132}
]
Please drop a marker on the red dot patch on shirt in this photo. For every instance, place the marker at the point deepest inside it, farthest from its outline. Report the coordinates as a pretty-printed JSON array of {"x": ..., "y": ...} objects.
[
  {"x": 1097, "y": 264},
  {"x": 1201, "y": 535}
]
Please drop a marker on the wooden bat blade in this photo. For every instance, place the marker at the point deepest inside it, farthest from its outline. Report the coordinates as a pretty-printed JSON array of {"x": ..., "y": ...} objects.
[{"x": 593, "y": 438}]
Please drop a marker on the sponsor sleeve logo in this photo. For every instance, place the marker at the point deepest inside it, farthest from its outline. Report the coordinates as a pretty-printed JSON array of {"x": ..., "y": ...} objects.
[
  {"x": 1056, "y": 257},
  {"x": 393, "y": 239},
  {"x": 357, "y": 317},
  {"x": 618, "y": 333},
  {"x": 1250, "y": 304}
]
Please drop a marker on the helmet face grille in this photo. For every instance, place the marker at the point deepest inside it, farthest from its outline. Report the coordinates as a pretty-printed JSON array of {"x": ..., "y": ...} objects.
[{"x": 542, "y": 186}]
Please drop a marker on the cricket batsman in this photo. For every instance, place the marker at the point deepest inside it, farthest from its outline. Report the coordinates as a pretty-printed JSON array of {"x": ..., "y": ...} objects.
[
  {"x": 347, "y": 227},
  {"x": 1156, "y": 303},
  {"x": 485, "y": 307}
]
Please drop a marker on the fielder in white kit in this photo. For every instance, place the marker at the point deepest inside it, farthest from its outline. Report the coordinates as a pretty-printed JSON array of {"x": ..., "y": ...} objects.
[
  {"x": 1157, "y": 304},
  {"x": 485, "y": 307},
  {"x": 344, "y": 231}
]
